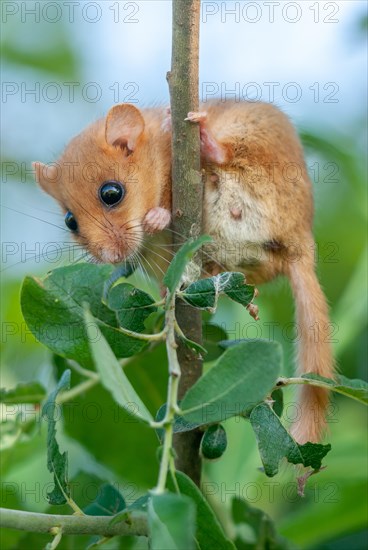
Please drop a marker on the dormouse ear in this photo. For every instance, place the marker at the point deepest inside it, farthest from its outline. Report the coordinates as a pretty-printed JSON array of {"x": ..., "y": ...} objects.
[
  {"x": 124, "y": 125},
  {"x": 47, "y": 177}
]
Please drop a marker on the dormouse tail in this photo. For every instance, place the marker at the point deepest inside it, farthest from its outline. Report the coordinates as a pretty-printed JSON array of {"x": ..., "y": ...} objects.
[{"x": 314, "y": 348}]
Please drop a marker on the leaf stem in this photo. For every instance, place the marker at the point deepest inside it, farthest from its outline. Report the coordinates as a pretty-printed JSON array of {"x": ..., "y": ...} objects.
[
  {"x": 80, "y": 370},
  {"x": 77, "y": 390},
  {"x": 281, "y": 382},
  {"x": 172, "y": 396},
  {"x": 157, "y": 337}
]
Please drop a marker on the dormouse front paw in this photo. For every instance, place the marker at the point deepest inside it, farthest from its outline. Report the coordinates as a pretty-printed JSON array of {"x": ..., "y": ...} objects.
[{"x": 156, "y": 220}]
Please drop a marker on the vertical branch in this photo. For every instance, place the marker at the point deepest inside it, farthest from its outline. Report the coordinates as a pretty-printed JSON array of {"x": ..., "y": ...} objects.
[{"x": 187, "y": 195}]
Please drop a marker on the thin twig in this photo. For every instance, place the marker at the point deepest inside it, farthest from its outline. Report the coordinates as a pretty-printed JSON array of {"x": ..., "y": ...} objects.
[{"x": 135, "y": 524}]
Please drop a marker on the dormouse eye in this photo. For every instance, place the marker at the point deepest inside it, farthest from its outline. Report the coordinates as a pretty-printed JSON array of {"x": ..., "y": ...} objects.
[
  {"x": 71, "y": 222},
  {"x": 111, "y": 192}
]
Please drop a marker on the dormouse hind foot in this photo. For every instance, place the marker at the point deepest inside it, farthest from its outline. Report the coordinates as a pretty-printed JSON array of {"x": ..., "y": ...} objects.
[
  {"x": 156, "y": 220},
  {"x": 211, "y": 149},
  {"x": 166, "y": 123}
]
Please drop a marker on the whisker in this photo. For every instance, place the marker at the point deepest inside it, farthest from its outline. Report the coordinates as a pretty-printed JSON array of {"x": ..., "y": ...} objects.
[
  {"x": 144, "y": 270},
  {"x": 36, "y": 258},
  {"x": 157, "y": 254},
  {"x": 150, "y": 265},
  {"x": 35, "y": 218}
]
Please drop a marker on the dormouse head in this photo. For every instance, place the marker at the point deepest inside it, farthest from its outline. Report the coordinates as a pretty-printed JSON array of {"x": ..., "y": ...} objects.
[{"x": 102, "y": 183}]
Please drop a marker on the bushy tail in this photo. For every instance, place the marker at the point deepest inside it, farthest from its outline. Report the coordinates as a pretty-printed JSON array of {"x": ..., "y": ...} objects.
[{"x": 314, "y": 348}]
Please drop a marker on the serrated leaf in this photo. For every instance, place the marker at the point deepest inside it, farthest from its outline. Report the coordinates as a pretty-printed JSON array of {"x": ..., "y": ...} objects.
[
  {"x": 29, "y": 392},
  {"x": 176, "y": 269},
  {"x": 275, "y": 443},
  {"x": 203, "y": 294},
  {"x": 57, "y": 463},
  {"x": 214, "y": 442},
  {"x": 242, "y": 377},
  {"x": 354, "y": 388},
  {"x": 132, "y": 306},
  {"x": 112, "y": 375},
  {"x": 53, "y": 310},
  {"x": 236, "y": 289},
  {"x": 171, "y": 520},
  {"x": 264, "y": 535},
  {"x": 108, "y": 502},
  {"x": 209, "y": 532},
  {"x": 313, "y": 454}
]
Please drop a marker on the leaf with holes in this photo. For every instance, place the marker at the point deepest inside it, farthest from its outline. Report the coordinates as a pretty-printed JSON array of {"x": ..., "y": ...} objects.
[
  {"x": 57, "y": 463},
  {"x": 275, "y": 443},
  {"x": 204, "y": 294}
]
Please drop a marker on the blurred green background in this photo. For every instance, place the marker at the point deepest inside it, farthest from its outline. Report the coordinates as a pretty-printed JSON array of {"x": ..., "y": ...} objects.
[{"x": 122, "y": 53}]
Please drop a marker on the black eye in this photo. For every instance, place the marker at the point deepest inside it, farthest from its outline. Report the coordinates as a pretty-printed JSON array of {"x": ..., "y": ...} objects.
[
  {"x": 112, "y": 192},
  {"x": 71, "y": 222}
]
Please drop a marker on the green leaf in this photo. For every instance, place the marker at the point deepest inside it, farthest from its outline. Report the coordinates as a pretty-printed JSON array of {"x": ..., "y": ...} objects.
[
  {"x": 112, "y": 375},
  {"x": 235, "y": 288},
  {"x": 212, "y": 335},
  {"x": 209, "y": 532},
  {"x": 278, "y": 397},
  {"x": 55, "y": 57},
  {"x": 171, "y": 520},
  {"x": 214, "y": 442},
  {"x": 242, "y": 377},
  {"x": 194, "y": 346},
  {"x": 176, "y": 269},
  {"x": 121, "y": 271},
  {"x": 275, "y": 443},
  {"x": 264, "y": 535},
  {"x": 204, "y": 294},
  {"x": 313, "y": 454},
  {"x": 57, "y": 463},
  {"x": 141, "y": 505},
  {"x": 30, "y": 392},
  {"x": 107, "y": 503},
  {"x": 53, "y": 310},
  {"x": 354, "y": 388},
  {"x": 132, "y": 306}
]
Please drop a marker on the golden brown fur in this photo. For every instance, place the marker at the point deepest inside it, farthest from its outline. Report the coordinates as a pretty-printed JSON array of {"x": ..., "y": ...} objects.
[{"x": 258, "y": 206}]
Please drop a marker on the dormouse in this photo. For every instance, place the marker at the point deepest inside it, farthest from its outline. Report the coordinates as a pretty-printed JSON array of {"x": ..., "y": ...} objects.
[{"x": 113, "y": 183}]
